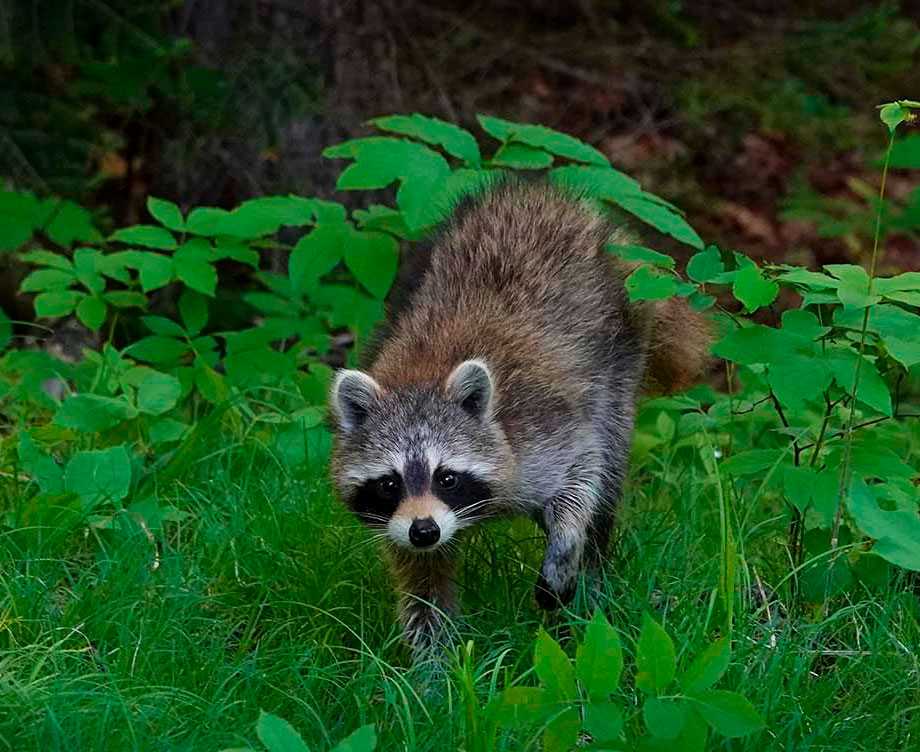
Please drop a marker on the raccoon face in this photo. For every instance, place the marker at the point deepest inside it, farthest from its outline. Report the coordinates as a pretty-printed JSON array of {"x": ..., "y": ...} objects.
[{"x": 421, "y": 462}]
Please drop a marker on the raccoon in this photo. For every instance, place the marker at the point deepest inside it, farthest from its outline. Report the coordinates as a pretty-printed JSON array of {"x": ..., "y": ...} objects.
[{"x": 504, "y": 382}]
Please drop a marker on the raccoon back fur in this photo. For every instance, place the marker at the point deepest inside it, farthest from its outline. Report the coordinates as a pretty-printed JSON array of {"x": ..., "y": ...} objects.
[{"x": 504, "y": 382}]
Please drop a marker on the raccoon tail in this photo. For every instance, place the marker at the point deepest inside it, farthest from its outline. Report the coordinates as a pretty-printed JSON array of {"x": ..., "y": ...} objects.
[{"x": 678, "y": 346}]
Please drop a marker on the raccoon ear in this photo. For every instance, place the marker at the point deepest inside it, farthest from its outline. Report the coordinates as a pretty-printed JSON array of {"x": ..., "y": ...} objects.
[
  {"x": 353, "y": 395},
  {"x": 470, "y": 384}
]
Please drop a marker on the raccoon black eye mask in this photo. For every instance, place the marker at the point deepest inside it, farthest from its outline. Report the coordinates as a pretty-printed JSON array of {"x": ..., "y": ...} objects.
[{"x": 503, "y": 382}]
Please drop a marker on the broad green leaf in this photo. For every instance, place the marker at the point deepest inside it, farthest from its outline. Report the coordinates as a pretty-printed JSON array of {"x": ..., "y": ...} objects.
[
  {"x": 278, "y": 735},
  {"x": 149, "y": 236},
  {"x": 166, "y": 213},
  {"x": 708, "y": 667},
  {"x": 751, "y": 462},
  {"x": 706, "y": 265},
  {"x": 905, "y": 153},
  {"x": 553, "y": 668},
  {"x": 871, "y": 458},
  {"x": 92, "y": 413},
  {"x": 158, "y": 349},
  {"x": 701, "y": 302},
  {"x": 56, "y": 304},
  {"x": 521, "y": 157},
  {"x": 125, "y": 299},
  {"x": 799, "y": 378},
  {"x": 692, "y": 737},
  {"x": 47, "y": 279},
  {"x": 656, "y": 662},
  {"x": 662, "y": 218},
  {"x": 637, "y": 253},
  {"x": 561, "y": 734},
  {"x": 47, "y": 258},
  {"x": 454, "y": 140},
  {"x": 647, "y": 284},
  {"x": 40, "y": 466},
  {"x": 872, "y": 390},
  {"x": 663, "y": 718},
  {"x": 317, "y": 254},
  {"x": 604, "y": 721},
  {"x": 892, "y": 115},
  {"x": 809, "y": 279},
  {"x": 751, "y": 289},
  {"x": 518, "y": 706},
  {"x": 193, "y": 308},
  {"x": 157, "y": 392},
  {"x": 853, "y": 290},
  {"x": 166, "y": 430},
  {"x": 163, "y": 326},
  {"x": 363, "y": 739},
  {"x": 155, "y": 271},
  {"x": 603, "y": 183},
  {"x": 193, "y": 265},
  {"x": 66, "y": 223},
  {"x": 236, "y": 250},
  {"x": 206, "y": 220},
  {"x": 540, "y": 137},
  {"x": 103, "y": 475},
  {"x": 92, "y": 312},
  {"x": 897, "y": 328},
  {"x": 799, "y": 486},
  {"x": 599, "y": 659},
  {"x": 727, "y": 712},
  {"x": 373, "y": 258},
  {"x": 753, "y": 344},
  {"x": 908, "y": 281},
  {"x": 896, "y": 532}
]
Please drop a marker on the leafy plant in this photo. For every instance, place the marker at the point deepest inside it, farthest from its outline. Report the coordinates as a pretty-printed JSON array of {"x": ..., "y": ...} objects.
[{"x": 277, "y": 735}]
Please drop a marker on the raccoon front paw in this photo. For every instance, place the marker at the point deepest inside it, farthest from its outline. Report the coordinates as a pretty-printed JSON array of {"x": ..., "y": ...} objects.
[{"x": 550, "y": 597}]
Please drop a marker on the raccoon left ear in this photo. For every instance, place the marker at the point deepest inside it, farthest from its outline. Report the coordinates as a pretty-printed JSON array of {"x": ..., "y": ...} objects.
[
  {"x": 353, "y": 395},
  {"x": 470, "y": 384}
]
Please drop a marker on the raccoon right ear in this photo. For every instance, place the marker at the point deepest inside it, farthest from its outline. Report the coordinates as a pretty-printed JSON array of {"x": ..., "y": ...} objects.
[
  {"x": 471, "y": 385},
  {"x": 353, "y": 395}
]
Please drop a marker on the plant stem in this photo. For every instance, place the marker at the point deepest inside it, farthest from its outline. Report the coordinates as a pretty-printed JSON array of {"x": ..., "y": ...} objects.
[{"x": 848, "y": 449}]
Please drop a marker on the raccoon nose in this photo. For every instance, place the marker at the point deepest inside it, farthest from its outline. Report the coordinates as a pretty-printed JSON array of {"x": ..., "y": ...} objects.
[{"x": 424, "y": 532}]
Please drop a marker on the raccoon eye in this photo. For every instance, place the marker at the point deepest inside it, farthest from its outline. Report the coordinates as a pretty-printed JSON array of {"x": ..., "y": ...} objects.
[
  {"x": 446, "y": 480},
  {"x": 387, "y": 488}
]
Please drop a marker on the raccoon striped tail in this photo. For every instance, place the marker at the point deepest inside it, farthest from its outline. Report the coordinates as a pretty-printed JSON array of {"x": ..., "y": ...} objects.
[{"x": 679, "y": 341}]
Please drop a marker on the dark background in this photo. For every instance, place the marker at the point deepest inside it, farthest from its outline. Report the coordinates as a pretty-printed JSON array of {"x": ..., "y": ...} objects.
[{"x": 758, "y": 118}]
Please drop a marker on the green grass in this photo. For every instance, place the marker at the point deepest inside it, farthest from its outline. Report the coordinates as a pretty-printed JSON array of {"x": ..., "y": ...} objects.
[{"x": 268, "y": 596}]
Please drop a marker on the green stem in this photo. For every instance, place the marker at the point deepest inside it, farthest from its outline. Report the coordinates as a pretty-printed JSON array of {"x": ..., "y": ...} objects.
[{"x": 848, "y": 448}]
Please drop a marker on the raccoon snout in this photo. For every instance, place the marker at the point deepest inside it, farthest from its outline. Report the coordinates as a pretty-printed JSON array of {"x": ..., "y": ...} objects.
[{"x": 424, "y": 532}]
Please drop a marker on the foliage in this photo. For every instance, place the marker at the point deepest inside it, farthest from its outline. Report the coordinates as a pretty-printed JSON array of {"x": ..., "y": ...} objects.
[{"x": 199, "y": 335}]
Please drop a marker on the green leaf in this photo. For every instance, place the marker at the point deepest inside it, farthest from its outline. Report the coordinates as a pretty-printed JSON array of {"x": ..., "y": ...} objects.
[
  {"x": 66, "y": 223},
  {"x": 157, "y": 349},
  {"x": 92, "y": 312},
  {"x": 708, "y": 667},
  {"x": 604, "y": 721},
  {"x": 317, "y": 254},
  {"x": 901, "y": 283},
  {"x": 599, "y": 659},
  {"x": 166, "y": 430},
  {"x": 363, "y": 739},
  {"x": 799, "y": 378},
  {"x": 604, "y": 183},
  {"x": 373, "y": 258},
  {"x": 155, "y": 271},
  {"x": 753, "y": 344},
  {"x": 896, "y": 327},
  {"x": 662, "y": 218},
  {"x": 637, "y": 253},
  {"x": 454, "y": 140},
  {"x": 656, "y": 662},
  {"x": 40, "y": 466},
  {"x": 103, "y": 475},
  {"x": 278, "y": 735},
  {"x": 47, "y": 279},
  {"x": 520, "y": 706},
  {"x": 379, "y": 162},
  {"x": 663, "y": 718},
  {"x": 561, "y": 734},
  {"x": 540, "y": 137},
  {"x": 236, "y": 250},
  {"x": 853, "y": 290},
  {"x": 521, "y": 157},
  {"x": 193, "y": 308},
  {"x": 157, "y": 392},
  {"x": 47, "y": 258},
  {"x": 896, "y": 532},
  {"x": 163, "y": 326},
  {"x": 92, "y": 413},
  {"x": 647, "y": 284},
  {"x": 553, "y": 668},
  {"x": 872, "y": 389},
  {"x": 727, "y": 712},
  {"x": 192, "y": 262},
  {"x": 892, "y": 115},
  {"x": 692, "y": 737},
  {"x": 905, "y": 153},
  {"x": 809, "y": 279},
  {"x": 149, "y": 236},
  {"x": 706, "y": 265},
  {"x": 166, "y": 213},
  {"x": 752, "y": 461},
  {"x": 751, "y": 289}
]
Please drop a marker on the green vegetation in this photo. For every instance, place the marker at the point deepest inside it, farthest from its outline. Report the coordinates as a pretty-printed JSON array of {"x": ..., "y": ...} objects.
[{"x": 175, "y": 574}]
